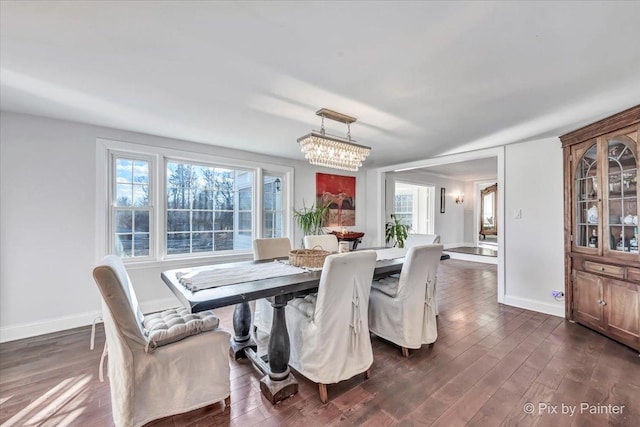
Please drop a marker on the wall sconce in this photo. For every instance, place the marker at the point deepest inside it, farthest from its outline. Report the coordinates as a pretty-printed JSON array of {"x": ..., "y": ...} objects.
[
  {"x": 277, "y": 182},
  {"x": 460, "y": 199}
]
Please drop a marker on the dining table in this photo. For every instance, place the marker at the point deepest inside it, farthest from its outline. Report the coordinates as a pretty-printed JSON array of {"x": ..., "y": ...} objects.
[{"x": 237, "y": 283}]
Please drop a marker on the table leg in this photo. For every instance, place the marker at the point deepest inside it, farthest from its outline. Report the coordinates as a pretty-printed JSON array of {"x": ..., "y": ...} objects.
[
  {"x": 278, "y": 383},
  {"x": 241, "y": 331},
  {"x": 356, "y": 242}
]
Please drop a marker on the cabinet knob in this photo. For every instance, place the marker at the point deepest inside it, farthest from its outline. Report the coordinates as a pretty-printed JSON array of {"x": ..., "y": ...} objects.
[
  {"x": 602, "y": 302},
  {"x": 601, "y": 268}
]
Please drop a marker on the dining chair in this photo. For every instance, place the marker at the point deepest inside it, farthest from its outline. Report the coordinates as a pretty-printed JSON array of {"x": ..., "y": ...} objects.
[
  {"x": 415, "y": 239},
  {"x": 328, "y": 331},
  {"x": 328, "y": 242},
  {"x": 271, "y": 248},
  {"x": 267, "y": 249},
  {"x": 402, "y": 309},
  {"x": 160, "y": 364}
]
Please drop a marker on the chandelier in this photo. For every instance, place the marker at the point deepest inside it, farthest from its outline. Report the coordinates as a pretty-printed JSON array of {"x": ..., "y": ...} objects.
[{"x": 322, "y": 149}]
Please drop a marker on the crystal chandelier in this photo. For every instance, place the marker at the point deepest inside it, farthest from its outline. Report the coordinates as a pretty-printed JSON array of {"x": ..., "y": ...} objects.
[{"x": 322, "y": 149}]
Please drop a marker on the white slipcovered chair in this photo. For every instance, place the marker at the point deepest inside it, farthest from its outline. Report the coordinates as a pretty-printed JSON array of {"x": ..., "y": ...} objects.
[
  {"x": 402, "y": 309},
  {"x": 271, "y": 248},
  {"x": 267, "y": 249},
  {"x": 161, "y": 364},
  {"x": 328, "y": 242},
  {"x": 329, "y": 331},
  {"x": 414, "y": 239}
]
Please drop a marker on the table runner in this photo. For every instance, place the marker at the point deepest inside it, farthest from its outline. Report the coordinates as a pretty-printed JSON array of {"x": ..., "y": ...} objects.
[{"x": 213, "y": 276}]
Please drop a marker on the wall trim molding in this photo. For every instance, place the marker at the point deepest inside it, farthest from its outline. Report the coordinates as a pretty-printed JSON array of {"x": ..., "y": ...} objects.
[
  {"x": 62, "y": 323},
  {"x": 535, "y": 305}
]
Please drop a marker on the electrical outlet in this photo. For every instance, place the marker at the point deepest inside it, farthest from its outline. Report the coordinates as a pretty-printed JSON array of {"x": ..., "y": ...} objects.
[{"x": 557, "y": 294}]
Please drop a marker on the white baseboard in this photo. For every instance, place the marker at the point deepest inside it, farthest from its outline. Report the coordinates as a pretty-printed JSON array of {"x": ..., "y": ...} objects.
[
  {"x": 56, "y": 324},
  {"x": 535, "y": 305}
]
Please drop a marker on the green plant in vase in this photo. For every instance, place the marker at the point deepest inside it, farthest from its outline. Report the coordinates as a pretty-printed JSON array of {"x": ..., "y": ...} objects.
[
  {"x": 395, "y": 230},
  {"x": 310, "y": 220}
]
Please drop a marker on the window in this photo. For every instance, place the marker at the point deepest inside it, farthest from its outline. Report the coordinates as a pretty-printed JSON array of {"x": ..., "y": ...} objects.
[
  {"x": 414, "y": 205},
  {"x": 131, "y": 212},
  {"x": 209, "y": 208},
  {"x": 168, "y": 204},
  {"x": 272, "y": 206},
  {"x": 404, "y": 209}
]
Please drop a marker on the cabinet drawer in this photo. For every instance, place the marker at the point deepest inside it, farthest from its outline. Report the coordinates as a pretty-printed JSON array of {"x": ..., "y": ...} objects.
[
  {"x": 610, "y": 270},
  {"x": 633, "y": 274}
]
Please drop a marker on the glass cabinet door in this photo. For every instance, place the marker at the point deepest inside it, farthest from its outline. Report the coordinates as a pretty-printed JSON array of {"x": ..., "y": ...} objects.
[
  {"x": 587, "y": 187},
  {"x": 622, "y": 176}
]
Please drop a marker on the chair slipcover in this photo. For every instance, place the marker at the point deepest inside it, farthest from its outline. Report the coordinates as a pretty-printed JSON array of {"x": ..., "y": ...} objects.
[
  {"x": 328, "y": 242},
  {"x": 329, "y": 332},
  {"x": 415, "y": 239},
  {"x": 271, "y": 248},
  {"x": 267, "y": 249},
  {"x": 148, "y": 383},
  {"x": 402, "y": 309}
]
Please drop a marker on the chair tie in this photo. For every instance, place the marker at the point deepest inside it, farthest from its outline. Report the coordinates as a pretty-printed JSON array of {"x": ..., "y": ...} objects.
[
  {"x": 101, "y": 368},
  {"x": 355, "y": 316},
  {"x": 428, "y": 298},
  {"x": 93, "y": 333}
]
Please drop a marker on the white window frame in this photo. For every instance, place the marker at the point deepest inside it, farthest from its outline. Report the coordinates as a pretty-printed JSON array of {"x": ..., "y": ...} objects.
[
  {"x": 158, "y": 156},
  {"x": 113, "y": 154}
]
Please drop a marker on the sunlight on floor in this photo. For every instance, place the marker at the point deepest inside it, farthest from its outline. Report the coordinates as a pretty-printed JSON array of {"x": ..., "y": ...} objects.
[{"x": 61, "y": 403}]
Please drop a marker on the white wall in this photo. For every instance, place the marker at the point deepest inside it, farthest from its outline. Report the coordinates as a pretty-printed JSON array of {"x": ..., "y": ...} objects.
[
  {"x": 470, "y": 198},
  {"x": 47, "y": 221},
  {"x": 534, "y": 245}
]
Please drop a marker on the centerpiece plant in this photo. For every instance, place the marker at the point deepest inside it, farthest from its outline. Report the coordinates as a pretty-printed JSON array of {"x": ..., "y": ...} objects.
[
  {"x": 396, "y": 230},
  {"x": 310, "y": 219}
]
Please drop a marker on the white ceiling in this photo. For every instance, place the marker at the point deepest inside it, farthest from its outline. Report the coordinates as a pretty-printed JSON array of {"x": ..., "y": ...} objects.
[
  {"x": 423, "y": 78},
  {"x": 470, "y": 170}
]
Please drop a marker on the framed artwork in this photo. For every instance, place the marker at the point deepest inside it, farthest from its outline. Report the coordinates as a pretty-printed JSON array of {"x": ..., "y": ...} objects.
[
  {"x": 339, "y": 192},
  {"x": 443, "y": 192}
]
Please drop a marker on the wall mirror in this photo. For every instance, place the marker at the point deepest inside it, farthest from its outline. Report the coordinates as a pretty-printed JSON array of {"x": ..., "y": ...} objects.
[{"x": 489, "y": 211}]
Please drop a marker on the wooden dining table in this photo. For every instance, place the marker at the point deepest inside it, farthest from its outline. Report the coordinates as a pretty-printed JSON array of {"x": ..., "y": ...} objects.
[{"x": 277, "y": 383}]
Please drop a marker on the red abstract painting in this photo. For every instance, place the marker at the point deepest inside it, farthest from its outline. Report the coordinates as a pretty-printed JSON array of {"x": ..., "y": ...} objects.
[{"x": 339, "y": 192}]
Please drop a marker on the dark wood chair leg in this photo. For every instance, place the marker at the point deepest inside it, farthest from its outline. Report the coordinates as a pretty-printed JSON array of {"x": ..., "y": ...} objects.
[
  {"x": 367, "y": 374},
  {"x": 227, "y": 401},
  {"x": 322, "y": 389},
  {"x": 405, "y": 352}
]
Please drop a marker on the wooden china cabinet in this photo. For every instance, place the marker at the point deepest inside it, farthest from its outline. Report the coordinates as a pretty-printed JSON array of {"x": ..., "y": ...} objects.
[{"x": 602, "y": 261}]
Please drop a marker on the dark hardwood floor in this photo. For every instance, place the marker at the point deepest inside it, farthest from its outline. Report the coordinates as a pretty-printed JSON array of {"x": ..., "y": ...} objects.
[{"x": 489, "y": 361}]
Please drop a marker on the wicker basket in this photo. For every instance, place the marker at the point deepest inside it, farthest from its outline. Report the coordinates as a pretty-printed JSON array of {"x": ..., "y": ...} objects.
[{"x": 312, "y": 258}]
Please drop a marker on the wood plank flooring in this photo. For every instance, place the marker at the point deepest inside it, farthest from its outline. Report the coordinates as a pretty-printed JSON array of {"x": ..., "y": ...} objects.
[{"x": 489, "y": 361}]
